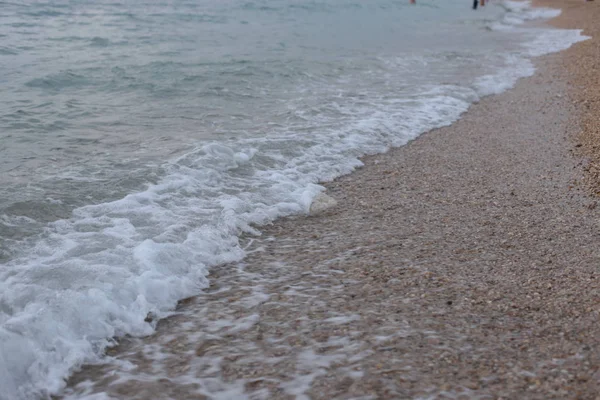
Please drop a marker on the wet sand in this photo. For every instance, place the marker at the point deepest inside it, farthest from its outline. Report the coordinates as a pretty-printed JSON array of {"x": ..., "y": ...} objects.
[{"x": 462, "y": 265}]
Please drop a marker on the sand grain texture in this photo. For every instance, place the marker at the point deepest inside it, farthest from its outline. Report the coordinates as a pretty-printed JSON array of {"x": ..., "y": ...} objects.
[{"x": 582, "y": 66}]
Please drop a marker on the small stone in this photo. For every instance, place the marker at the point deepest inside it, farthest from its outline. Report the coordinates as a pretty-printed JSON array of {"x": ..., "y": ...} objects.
[{"x": 321, "y": 203}]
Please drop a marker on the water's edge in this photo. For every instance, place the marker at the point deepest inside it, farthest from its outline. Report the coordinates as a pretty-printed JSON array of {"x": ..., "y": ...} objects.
[{"x": 226, "y": 248}]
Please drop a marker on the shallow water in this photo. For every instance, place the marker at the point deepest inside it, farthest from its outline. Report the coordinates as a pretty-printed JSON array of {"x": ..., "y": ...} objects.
[{"x": 139, "y": 139}]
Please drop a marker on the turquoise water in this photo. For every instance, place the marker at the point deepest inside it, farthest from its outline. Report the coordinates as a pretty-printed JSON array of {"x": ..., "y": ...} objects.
[{"x": 138, "y": 139}]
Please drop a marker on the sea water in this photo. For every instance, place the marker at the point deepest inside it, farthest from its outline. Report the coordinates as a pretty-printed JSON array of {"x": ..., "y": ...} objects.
[{"x": 140, "y": 138}]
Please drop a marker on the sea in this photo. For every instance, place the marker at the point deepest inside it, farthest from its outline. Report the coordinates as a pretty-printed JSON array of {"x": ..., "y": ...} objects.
[{"x": 139, "y": 139}]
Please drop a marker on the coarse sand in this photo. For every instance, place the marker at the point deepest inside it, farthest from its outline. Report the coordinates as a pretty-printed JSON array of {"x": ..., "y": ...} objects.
[{"x": 582, "y": 65}]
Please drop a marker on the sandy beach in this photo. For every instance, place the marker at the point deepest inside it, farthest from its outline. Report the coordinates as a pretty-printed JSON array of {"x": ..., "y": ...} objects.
[
  {"x": 581, "y": 62},
  {"x": 463, "y": 265}
]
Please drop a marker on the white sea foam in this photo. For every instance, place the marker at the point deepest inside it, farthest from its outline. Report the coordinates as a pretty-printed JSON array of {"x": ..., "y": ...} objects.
[
  {"x": 98, "y": 274},
  {"x": 516, "y": 67},
  {"x": 540, "y": 41}
]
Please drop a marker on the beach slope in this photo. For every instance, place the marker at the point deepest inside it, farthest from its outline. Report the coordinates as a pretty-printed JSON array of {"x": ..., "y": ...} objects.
[{"x": 462, "y": 264}]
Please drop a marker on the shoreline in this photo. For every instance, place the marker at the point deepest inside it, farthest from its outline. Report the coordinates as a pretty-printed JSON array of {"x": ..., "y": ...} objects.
[{"x": 345, "y": 271}]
